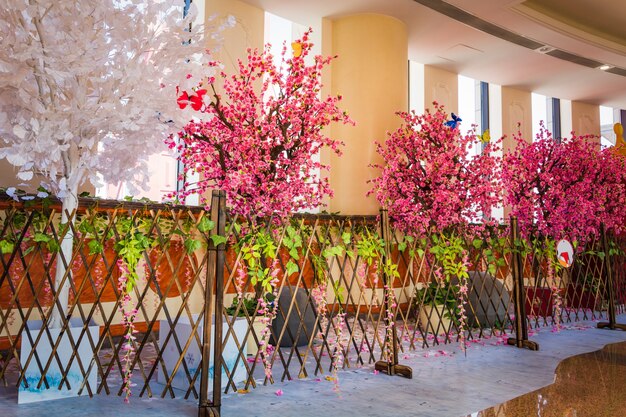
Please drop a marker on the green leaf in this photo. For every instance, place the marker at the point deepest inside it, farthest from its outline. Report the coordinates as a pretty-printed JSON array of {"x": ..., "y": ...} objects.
[
  {"x": 294, "y": 254},
  {"x": 206, "y": 225},
  {"x": 41, "y": 237},
  {"x": 402, "y": 246},
  {"x": 218, "y": 240},
  {"x": 95, "y": 247},
  {"x": 346, "y": 236},
  {"x": 477, "y": 243},
  {"x": 191, "y": 245},
  {"x": 291, "y": 268},
  {"x": 237, "y": 227},
  {"x": 492, "y": 269},
  {"x": 178, "y": 232},
  {"x": 53, "y": 246},
  {"x": 420, "y": 252},
  {"x": 6, "y": 246}
]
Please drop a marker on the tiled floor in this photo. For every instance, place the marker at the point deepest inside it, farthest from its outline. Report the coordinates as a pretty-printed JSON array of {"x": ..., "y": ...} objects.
[{"x": 445, "y": 383}]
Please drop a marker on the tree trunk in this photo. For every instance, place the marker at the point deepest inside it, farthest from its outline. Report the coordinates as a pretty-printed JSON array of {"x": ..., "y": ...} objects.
[{"x": 59, "y": 310}]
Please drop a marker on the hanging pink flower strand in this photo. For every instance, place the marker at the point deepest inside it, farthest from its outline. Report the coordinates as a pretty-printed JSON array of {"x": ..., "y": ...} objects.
[{"x": 259, "y": 132}]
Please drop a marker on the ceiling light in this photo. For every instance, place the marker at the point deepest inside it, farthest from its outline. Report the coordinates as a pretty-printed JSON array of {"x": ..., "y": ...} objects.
[
  {"x": 545, "y": 49},
  {"x": 604, "y": 67}
]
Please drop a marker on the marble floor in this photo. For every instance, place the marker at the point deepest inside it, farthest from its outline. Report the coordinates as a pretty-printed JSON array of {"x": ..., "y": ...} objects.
[
  {"x": 572, "y": 394},
  {"x": 446, "y": 383}
]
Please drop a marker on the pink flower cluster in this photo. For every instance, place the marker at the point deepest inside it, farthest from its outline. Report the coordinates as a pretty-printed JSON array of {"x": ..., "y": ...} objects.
[
  {"x": 128, "y": 320},
  {"x": 565, "y": 189},
  {"x": 463, "y": 298},
  {"x": 429, "y": 177},
  {"x": 319, "y": 297},
  {"x": 260, "y": 131},
  {"x": 267, "y": 313},
  {"x": 392, "y": 305},
  {"x": 338, "y": 350}
]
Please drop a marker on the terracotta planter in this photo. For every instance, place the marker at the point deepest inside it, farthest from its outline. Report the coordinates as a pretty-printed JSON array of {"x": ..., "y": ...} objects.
[
  {"x": 32, "y": 271},
  {"x": 539, "y": 302},
  {"x": 176, "y": 261},
  {"x": 578, "y": 297}
]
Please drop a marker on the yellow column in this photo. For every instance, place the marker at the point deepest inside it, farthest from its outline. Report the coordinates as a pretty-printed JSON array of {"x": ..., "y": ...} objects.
[{"x": 371, "y": 73}]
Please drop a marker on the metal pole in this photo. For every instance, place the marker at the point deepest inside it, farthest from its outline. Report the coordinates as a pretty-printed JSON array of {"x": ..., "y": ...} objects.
[
  {"x": 517, "y": 271},
  {"x": 214, "y": 279},
  {"x": 608, "y": 268},
  {"x": 391, "y": 366}
]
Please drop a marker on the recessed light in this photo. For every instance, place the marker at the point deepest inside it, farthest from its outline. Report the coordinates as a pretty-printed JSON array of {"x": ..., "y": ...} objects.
[
  {"x": 604, "y": 67},
  {"x": 545, "y": 49}
]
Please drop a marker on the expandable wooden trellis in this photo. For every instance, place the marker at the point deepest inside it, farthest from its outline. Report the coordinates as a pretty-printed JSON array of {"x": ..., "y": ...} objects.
[{"x": 339, "y": 282}]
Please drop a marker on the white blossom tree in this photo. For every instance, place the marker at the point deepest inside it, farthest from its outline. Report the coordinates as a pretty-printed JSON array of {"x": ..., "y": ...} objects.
[{"x": 88, "y": 88}]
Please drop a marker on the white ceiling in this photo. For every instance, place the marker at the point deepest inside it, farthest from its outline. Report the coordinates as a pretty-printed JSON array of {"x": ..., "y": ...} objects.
[{"x": 435, "y": 39}]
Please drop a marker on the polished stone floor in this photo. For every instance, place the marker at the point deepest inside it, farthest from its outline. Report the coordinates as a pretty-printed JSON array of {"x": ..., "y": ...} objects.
[
  {"x": 592, "y": 384},
  {"x": 446, "y": 383}
]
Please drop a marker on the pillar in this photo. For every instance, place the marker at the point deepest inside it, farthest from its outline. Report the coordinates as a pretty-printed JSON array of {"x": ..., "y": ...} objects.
[{"x": 371, "y": 73}]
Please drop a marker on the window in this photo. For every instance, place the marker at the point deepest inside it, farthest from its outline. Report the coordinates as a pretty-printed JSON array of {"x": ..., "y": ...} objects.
[
  {"x": 608, "y": 118},
  {"x": 546, "y": 110}
]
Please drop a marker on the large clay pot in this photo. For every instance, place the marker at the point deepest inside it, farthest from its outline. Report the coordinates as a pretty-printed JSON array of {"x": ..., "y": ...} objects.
[
  {"x": 306, "y": 325},
  {"x": 488, "y": 300},
  {"x": 35, "y": 276},
  {"x": 175, "y": 261}
]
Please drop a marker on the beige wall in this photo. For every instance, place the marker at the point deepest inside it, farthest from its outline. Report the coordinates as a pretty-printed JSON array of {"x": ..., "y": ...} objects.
[
  {"x": 516, "y": 109},
  {"x": 248, "y": 32},
  {"x": 8, "y": 178},
  {"x": 371, "y": 73},
  {"x": 516, "y": 116},
  {"x": 441, "y": 86},
  {"x": 7, "y": 174},
  {"x": 585, "y": 119}
]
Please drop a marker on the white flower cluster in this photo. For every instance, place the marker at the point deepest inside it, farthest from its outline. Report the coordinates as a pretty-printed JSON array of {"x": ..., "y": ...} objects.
[{"x": 89, "y": 87}]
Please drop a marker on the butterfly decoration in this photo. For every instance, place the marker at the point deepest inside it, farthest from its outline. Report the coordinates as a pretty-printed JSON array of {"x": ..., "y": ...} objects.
[
  {"x": 195, "y": 100},
  {"x": 452, "y": 124},
  {"x": 297, "y": 49},
  {"x": 485, "y": 137}
]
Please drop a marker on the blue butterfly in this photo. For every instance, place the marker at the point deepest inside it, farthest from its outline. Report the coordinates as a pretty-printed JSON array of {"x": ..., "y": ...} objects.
[{"x": 454, "y": 122}]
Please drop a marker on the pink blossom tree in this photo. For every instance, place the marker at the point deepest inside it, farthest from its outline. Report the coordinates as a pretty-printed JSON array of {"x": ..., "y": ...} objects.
[
  {"x": 429, "y": 177},
  {"x": 564, "y": 189},
  {"x": 260, "y": 131}
]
